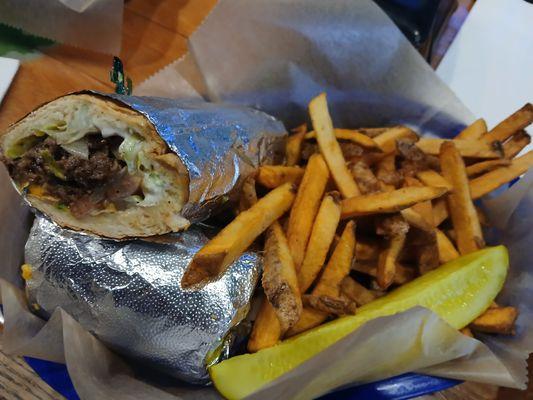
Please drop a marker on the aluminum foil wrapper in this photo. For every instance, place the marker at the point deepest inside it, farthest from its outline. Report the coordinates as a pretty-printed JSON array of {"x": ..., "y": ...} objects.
[
  {"x": 128, "y": 294},
  {"x": 219, "y": 144}
]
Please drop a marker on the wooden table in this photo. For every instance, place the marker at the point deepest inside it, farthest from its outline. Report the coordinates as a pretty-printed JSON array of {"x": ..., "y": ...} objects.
[{"x": 154, "y": 34}]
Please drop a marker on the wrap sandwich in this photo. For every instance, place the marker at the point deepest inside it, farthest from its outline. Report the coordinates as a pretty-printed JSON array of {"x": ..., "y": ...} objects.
[{"x": 121, "y": 166}]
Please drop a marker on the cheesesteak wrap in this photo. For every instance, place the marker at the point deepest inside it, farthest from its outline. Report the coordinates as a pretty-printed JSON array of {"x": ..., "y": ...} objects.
[{"x": 123, "y": 166}]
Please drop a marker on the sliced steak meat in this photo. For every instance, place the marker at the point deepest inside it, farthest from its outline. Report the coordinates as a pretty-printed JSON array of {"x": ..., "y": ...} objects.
[
  {"x": 31, "y": 167},
  {"x": 85, "y": 184},
  {"x": 98, "y": 169}
]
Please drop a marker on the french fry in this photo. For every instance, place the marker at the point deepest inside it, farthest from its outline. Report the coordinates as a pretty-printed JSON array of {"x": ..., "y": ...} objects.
[
  {"x": 338, "y": 267},
  {"x": 339, "y": 264},
  {"x": 474, "y": 131},
  {"x": 515, "y": 145},
  {"x": 426, "y": 252},
  {"x": 320, "y": 240},
  {"x": 266, "y": 331},
  {"x": 386, "y": 188},
  {"x": 467, "y": 332},
  {"x": 450, "y": 233},
  {"x": 416, "y": 220},
  {"x": 217, "y": 254},
  {"x": 424, "y": 240},
  {"x": 306, "y": 206},
  {"x": 466, "y": 148},
  {"x": 365, "y": 178},
  {"x": 248, "y": 194},
  {"x": 403, "y": 274},
  {"x": 352, "y": 135},
  {"x": 329, "y": 147},
  {"x": 510, "y": 125},
  {"x": 428, "y": 255},
  {"x": 424, "y": 208},
  {"x": 387, "y": 261},
  {"x": 440, "y": 211},
  {"x": 432, "y": 178},
  {"x": 356, "y": 292},
  {"x": 309, "y": 319},
  {"x": 280, "y": 282},
  {"x": 366, "y": 251},
  {"x": 486, "y": 183},
  {"x": 272, "y": 176},
  {"x": 433, "y": 162},
  {"x": 483, "y": 219},
  {"x": 378, "y": 293},
  {"x": 293, "y": 147},
  {"x": 496, "y": 320},
  {"x": 391, "y": 224},
  {"x": 460, "y": 205},
  {"x": 447, "y": 251},
  {"x": 373, "y": 132},
  {"x": 386, "y": 170},
  {"x": 387, "y": 140},
  {"x": 388, "y": 202},
  {"x": 485, "y": 166},
  {"x": 330, "y": 305}
]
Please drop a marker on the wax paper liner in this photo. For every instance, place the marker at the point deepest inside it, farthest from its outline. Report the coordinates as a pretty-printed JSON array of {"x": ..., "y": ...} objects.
[
  {"x": 91, "y": 24},
  {"x": 277, "y": 55}
]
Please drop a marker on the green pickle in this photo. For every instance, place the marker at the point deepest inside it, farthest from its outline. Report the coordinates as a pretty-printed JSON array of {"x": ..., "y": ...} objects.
[
  {"x": 51, "y": 165},
  {"x": 22, "y": 146},
  {"x": 458, "y": 292}
]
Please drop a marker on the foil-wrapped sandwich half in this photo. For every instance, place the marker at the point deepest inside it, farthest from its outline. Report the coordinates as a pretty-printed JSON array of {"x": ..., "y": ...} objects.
[
  {"x": 128, "y": 294},
  {"x": 121, "y": 166}
]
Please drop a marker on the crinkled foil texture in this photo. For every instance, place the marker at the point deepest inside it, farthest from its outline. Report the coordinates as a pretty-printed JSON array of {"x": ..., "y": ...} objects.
[
  {"x": 128, "y": 294},
  {"x": 219, "y": 144}
]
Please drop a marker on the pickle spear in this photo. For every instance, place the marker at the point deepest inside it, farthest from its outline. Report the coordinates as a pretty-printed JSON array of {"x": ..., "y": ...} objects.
[{"x": 458, "y": 292}]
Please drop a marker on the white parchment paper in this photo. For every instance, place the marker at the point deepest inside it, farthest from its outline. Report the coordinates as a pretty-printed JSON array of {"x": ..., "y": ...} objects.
[
  {"x": 91, "y": 24},
  {"x": 276, "y": 55}
]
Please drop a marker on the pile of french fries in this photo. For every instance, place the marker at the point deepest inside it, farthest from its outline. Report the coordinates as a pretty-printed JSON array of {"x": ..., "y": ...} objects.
[{"x": 354, "y": 213}]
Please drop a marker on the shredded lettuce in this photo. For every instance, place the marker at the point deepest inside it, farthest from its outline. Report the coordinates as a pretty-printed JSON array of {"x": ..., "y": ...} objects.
[
  {"x": 154, "y": 187},
  {"x": 134, "y": 199},
  {"x": 80, "y": 119},
  {"x": 129, "y": 150},
  {"x": 78, "y": 148}
]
